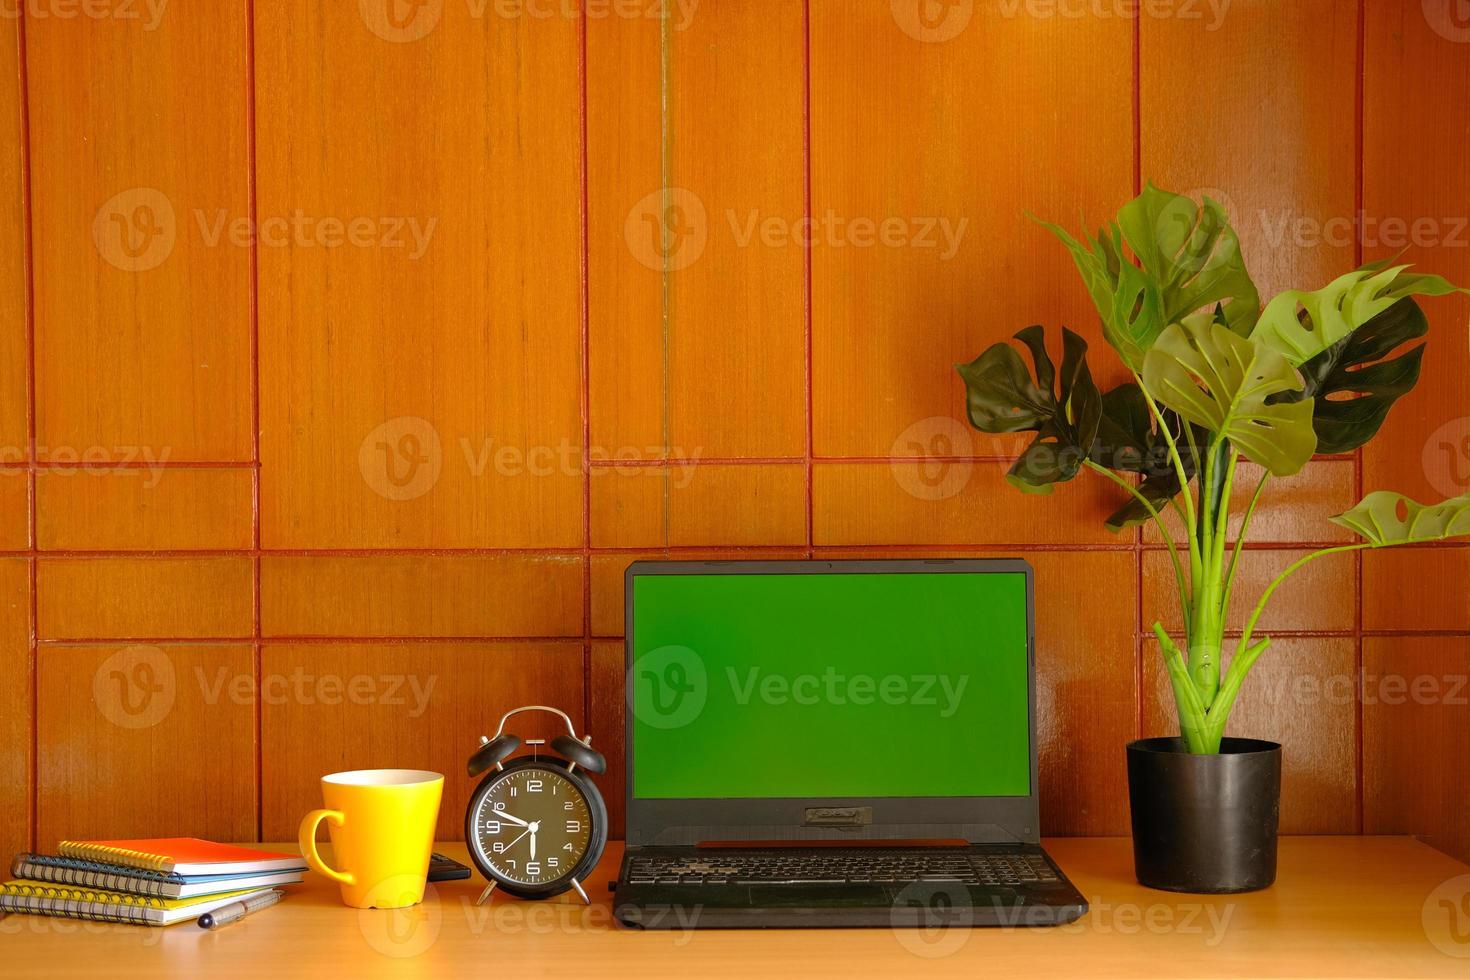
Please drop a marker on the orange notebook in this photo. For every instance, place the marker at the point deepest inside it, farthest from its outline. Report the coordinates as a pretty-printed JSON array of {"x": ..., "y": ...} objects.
[{"x": 181, "y": 856}]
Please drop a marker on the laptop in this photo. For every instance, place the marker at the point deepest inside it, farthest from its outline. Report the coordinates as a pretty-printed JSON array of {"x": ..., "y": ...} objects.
[{"x": 833, "y": 743}]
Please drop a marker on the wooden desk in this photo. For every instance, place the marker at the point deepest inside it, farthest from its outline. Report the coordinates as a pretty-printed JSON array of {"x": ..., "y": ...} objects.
[{"x": 1342, "y": 907}]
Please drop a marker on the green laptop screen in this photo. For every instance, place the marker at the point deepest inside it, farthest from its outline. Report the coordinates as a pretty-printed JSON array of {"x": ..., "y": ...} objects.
[{"x": 830, "y": 685}]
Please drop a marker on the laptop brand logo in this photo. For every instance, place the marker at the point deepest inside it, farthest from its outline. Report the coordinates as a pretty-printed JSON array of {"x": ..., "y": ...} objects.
[{"x": 838, "y": 816}]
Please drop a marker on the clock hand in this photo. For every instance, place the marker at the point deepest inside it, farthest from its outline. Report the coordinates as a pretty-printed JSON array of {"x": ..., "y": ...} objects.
[
  {"x": 518, "y": 840},
  {"x": 515, "y": 820},
  {"x": 535, "y": 826}
]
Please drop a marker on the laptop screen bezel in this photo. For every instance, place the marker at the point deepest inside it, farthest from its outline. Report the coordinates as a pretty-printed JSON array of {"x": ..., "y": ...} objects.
[{"x": 976, "y": 819}]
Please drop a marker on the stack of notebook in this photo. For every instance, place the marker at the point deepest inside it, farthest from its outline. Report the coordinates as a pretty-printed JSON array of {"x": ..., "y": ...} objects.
[{"x": 150, "y": 882}]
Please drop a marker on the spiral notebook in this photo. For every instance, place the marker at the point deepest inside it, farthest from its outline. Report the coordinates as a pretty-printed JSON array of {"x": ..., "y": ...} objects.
[
  {"x": 74, "y": 902},
  {"x": 187, "y": 856},
  {"x": 136, "y": 881}
]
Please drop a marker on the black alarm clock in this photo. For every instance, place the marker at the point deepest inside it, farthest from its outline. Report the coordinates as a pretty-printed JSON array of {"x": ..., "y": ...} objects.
[{"x": 536, "y": 826}]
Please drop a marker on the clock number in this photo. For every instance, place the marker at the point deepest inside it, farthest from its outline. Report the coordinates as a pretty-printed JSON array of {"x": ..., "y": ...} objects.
[
  {"x": 511, "y": 862},
  {"x": 533, "y": 868},
  {"x": 533, "y": 786},
  {"x": 567, "y": 805},
  {"x": 566, "y": 847},
  {"x": 552, "y": 862},
  {"x": 499, "y": 847},
  {"x": 492, "y": 826},
  {"x": 574, "y": 826},
  {"x": 499, "y": 805}
]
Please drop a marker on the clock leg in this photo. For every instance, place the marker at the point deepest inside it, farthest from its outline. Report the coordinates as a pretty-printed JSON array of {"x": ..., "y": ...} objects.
[
  {"x": 485, "y": 895},
  {"x": 578, "y": 885}
]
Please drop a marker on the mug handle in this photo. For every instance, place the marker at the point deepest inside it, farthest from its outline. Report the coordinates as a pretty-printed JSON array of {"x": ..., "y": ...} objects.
[{"x": 307, "y": 838}]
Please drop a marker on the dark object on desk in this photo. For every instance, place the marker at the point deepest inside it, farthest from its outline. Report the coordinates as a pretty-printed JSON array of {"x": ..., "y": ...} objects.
[
  {"x": 1205, "y": 823},
  {"x": 536, "y": 826},
  {"x": 884, "y": 709},
  {"x": 445, "y": 868}
]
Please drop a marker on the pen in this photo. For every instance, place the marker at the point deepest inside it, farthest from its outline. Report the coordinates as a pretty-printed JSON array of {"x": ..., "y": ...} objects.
[{"x": 224, "y": 915}]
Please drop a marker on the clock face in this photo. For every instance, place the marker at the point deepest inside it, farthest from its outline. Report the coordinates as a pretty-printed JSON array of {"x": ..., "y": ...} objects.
[{"x": 532, "y": 826}]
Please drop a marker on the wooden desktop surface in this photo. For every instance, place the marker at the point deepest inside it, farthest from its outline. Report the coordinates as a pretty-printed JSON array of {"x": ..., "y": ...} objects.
[{"x": 1342, "y": 907}]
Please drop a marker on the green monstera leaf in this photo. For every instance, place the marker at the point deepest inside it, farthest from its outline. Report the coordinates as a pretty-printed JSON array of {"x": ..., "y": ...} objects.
[
  {"x": 1188, "y": 260},
  {"x": 1002, "y": 397},
  {"x": 1217, "y": 379},
  {"x": 1359, "y": 368},
  {"x": 1128, "y": 441},
  {"x": 1386, "y": 518},
  {"x": 1301, "y": 325}
]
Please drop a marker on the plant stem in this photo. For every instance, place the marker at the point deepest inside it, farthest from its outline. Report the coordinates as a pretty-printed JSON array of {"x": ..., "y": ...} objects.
[
  {"x": 1179, "y": 471},
  {"x": 1163, "y": 529},
  {"x": 1245, "y": 526},
  {"x": 1250, "y": 624}
]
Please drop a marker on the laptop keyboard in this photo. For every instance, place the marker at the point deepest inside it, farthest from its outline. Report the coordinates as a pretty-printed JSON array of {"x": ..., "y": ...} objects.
[{"x": 840, "y": 866}]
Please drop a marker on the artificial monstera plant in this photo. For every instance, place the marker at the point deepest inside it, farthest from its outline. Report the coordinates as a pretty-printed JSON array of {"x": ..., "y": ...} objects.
[{"x": 1217, "y": 380}]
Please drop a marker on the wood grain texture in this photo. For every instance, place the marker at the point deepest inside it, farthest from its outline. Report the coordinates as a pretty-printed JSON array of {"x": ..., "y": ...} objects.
[
  {"x": 1291, "y": 509},
  {"x": 418, "y": 595},
  {"x": 14, "y": 351},
  {"x": 698, "y": 506},
  {"x": 14, "y": 510},
  {"x": 143, "y": 509},
  {"x": 15, "y": 705},
  {"x": 1330, "y": 893},
  {"x": 142, "y": 311},
  {"x": 335, "y": 707},
  {"x": 420, "y": 386},
  {"x": 1416, "y": 698},
  {"x": 702, "y": 350},
  {"x": 145, "y": 741},
  {"x": 129, "y": 598},
  {"x": 608, "y": 689},
  {"x": 1212, "y": 83},
  {"x": 1303, "y": 694},
  {"x": 607, "y": 578},
  {"x": 1416, "y": 68},
  {"x": 1085, "y": 693},
  {"x": 1321, "y": 595},
  {"x": 1416, "y": 589},
  {"x": 947, "y": 143},
  {"x": 910, "y": 503}
]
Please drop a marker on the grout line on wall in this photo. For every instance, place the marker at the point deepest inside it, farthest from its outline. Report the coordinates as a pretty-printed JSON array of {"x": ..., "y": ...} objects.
[
  {"x": 252, "y": 207},
  {"x": 807, "y": 253},
  {"x": 1358, "y": 557},
  {"x": 28, "y": 264},
  {"x": 585, "y": 395},
  {"x": 1136, "y": 119}
]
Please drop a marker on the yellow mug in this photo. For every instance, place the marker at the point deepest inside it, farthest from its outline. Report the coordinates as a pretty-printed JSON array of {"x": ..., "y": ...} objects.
[{"x": 381, "y": 822}]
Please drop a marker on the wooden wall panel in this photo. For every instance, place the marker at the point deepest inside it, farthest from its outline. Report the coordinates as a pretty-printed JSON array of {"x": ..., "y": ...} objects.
[
  {"x": 142, "y": 509},
  {"x": 1214, "y": 85},
  {"x": 608, "y": 700},
  {"x": 1303, "y": 694},
  {"x": 1415, "y": 194},
  {"x": 14, "y": 510},
  {"x": 706, "y": 505},
  {"x": 144, "y": 598},
  {"x": 422, "y": 387},
  {"x": 146, "y": 741},
  {"x": 1320, "y": 596},
  {"x": 335, "y": 707},
  {"x": 420, "y": 595},
  {"x": 1417, "y": 589},
  {"x": 898, "y": 503},
  {"x": 702, "y": 351},
  {"x": 142, "y": 305},
  {"x": 15, "y": 706},
  {"x": 948, "y": 142},
  {"x": 1416, "y": 698},
  {"x": 14, "y": 315},
  {"x": 1293, "y": 509}
]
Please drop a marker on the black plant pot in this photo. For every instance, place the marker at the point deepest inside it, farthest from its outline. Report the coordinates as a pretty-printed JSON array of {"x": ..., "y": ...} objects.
[{"x": 1205, "y": 823}]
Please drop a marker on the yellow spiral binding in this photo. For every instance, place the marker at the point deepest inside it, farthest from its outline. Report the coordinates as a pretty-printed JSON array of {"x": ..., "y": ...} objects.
[
  {"x": 115, "y": 855},
  {"x": 74, "y": 893}
]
